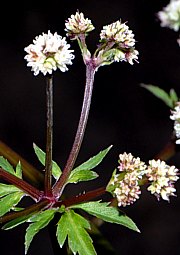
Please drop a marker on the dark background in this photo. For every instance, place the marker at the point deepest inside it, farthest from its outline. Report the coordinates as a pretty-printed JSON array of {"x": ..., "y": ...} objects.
[{"x": 122, "y": 113}]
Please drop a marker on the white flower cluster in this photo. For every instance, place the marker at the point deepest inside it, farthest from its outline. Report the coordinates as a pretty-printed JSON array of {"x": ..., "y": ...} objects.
[
  {"x": 162, "y": 178},
  {"x": 176, "y": 117},
  {"x": 131, "y": 170},
  {"x": 170, "y": 15},
  {"x": 119, "y": 33},
  {"x": 125, "y": 184},
  {"x": 120, "y": 41},
  {"x": 48, "y": 53},
  {"x": 77, "y": 24}
]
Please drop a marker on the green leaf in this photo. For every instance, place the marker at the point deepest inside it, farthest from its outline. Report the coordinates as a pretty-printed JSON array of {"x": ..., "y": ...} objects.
[
  {"x": 160, "y": 93},
  {"x": 19, "y": 170},
  {"x": 6, "y": 165},
  {"x": 56, "y": 171},
  {"x": 14, "y": 223},
  {"x": 73, "y": 226},
  {"x": 9, "y": 201},
  {"x": 39, "y": 221},
  {"x": 94, "y": 161},
  {"x": 107, "y": 213},
  {"x": 81, "y": 175},
  {"x": 173, "y": 96},
  {"x": 7, "y": 189}
]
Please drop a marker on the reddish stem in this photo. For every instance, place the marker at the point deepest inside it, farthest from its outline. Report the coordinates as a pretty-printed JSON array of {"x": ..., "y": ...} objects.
[
  {"x": 59, "y": 186},
  {"x": 22, "y": 185},
  {"x": 49, "y": 137},
  {"x": 82, "y": 197}
]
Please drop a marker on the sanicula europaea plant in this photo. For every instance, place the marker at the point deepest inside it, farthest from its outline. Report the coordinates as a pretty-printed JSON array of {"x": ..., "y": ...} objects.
[{"x": 48, "y": 53}]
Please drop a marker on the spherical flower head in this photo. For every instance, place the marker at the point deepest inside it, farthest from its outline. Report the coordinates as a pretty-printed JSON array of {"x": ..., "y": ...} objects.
[
  {"x": 118, "y": 44},
  {"x": 175, "y": 115},
  {"x": 48, "y": 53},
  {"x": 170, "y": 15},
  {"x": 124, "y": 184},
  {"x": 119, "y": 33},
  {"x": 162, "y": 178},
  {"x": 77, "y": 24}
]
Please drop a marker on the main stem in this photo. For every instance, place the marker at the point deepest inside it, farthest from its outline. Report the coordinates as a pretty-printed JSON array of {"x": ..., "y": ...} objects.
[
  {"x": 49, "y": 136},
  {"x": 59, "y": 186}
]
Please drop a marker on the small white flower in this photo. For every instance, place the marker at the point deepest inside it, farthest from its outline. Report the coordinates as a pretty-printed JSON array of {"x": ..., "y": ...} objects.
[
  {"x": 176, "y": 117},
  {"x": 162, "y": 178},
  {"x": 77, "y": 24},
  {"x": 48, "y": 53},
  {"x": 170, "y": 15}
]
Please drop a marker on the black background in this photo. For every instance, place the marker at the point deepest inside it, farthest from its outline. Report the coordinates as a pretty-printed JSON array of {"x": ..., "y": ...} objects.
[{"x": 122, "y": 113}]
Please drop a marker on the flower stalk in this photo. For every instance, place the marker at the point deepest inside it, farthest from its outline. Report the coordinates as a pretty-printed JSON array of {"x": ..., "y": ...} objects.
[
  {"x": 49, "y": 136},
  {"x": 59, "y": 186}
]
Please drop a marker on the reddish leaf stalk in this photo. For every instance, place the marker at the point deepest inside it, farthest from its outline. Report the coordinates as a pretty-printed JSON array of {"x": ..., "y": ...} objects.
[
  {"x": 31, "y": 209},
  {"x": 59, "y": 186},
  {"x": 23, "y": 185},
  {"x": 82, "y": 197}
]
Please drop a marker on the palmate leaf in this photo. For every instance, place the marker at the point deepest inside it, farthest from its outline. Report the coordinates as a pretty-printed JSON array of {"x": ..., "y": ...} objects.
[
  {"x": 39, "y": 221},
  {"x": 41, "y": 155},
  {"x": 73, "y": 226},
  {"x": 169, "y": 99},
  {"x": 9, "y": 201},
  {"x": 107, "y": 213},
  {"x": 83, "y": 173}
]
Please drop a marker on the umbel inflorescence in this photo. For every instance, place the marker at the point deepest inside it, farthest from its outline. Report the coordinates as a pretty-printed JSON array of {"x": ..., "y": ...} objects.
[
  {"x": 48, "y": 53},
  {"x": 132, "y": 173}
]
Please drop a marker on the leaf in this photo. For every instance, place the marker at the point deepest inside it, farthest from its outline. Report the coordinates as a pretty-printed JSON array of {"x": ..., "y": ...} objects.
[
  {"x": 6, "y": 165},
  {"x": 9, "y": 201},
  {"x": 160, "y": 93},
  {"x": 7, "y": 189},
  {"x": 39, "y": 221},
  {"x": 81, "y": 175},
  {"x": 19, "y": 170},
  {"x": 73, "y": 226},
  {"x": 94, "y": 161},
  {"x": 56, "y": 171},
  {"x": 107, "y": 213},
  {"x": 173, "y": 96},
  {"x": 14, "y": 223}
]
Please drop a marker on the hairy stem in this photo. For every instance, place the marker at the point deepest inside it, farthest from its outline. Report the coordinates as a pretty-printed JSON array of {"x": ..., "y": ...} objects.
[
  {"x": 22, "y": 185},
  {"x": 49, "y": 136},
  {"x": 59, "y": 186}
]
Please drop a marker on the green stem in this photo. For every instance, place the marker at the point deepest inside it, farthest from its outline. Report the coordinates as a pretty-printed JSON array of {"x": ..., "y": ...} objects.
[
  {"x": 59, "y": 186},
  {"x": 22, "y": 185},
  {"x": 49, "y": 136}
]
